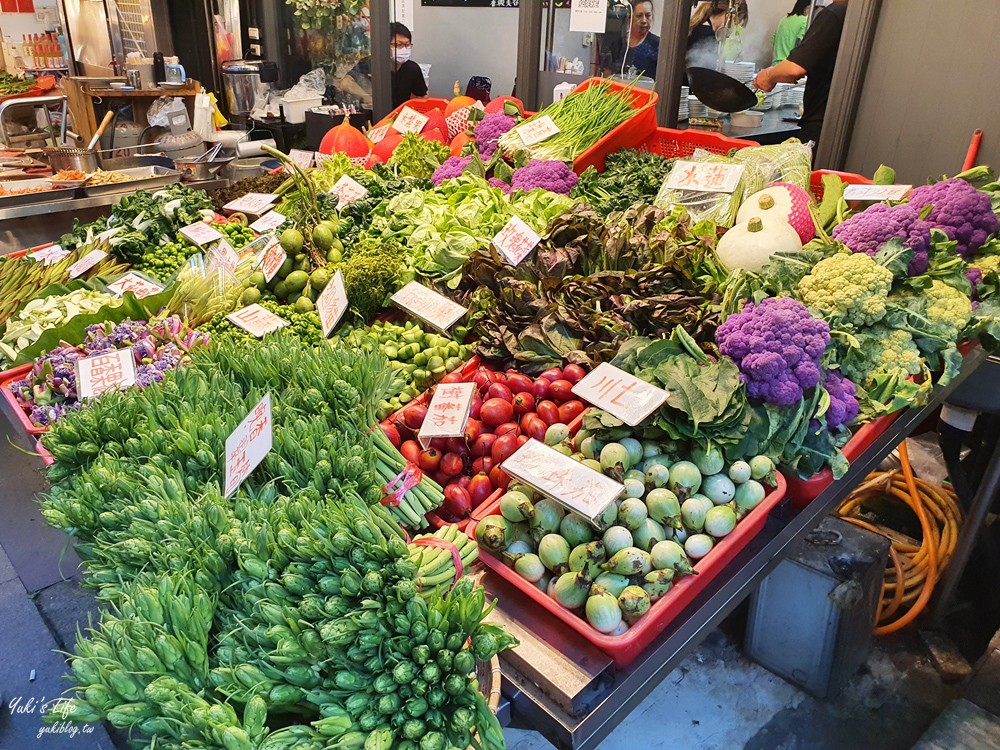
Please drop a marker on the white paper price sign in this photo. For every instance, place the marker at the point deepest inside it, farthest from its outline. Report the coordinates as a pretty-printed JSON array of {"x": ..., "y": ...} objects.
[
  {"x": 87, "y": 262},
  {"x": 201, "y": 233},
  {"x": 248, "y": 444},
  {"x": 876, "y": 192},
  {"x": 535, "y": 131},
  {"x": 516, "y": 240},
  {"x": 348, "y": 190},
  {"x": 431, "y": 307},
  {"x": 252, "y": 203},
  {"x": 409, "y": 121},
  {"x": 267, "y": 222},
  {"x": 620, "y": 394},
  {"x": 49, "y": 255},
  {"x": 301, "y": 158},
  {"x": 222, "y": 255},
  {"x": 576, "y": 486},
  {"x": 377, "y": 134},
  {"x": 255, "y": 320},
  {"x": 448, "y": 412},
  {"x": 589, "y": 17},
  {"x": 272, "y": 260},
  {"x": 706, "y": 177},
  {"x": 105, "y": 372},
  {"x": 332, "y": 303},
  {"x": 140, "y": 286}
]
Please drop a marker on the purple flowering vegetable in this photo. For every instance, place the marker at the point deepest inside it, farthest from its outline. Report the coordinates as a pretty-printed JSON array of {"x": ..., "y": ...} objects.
[
  {"x": 960, "y": 211},
  {"x": 867, "y": 231},
  {"x": 777, "y": 345},
  {"x": 843, "y": 404},
  {"x": 498, "y": 183},
  {"x": 975, "y": 277},
  {"x": 488, "y": 132},
  {"x": 554, "y": 176},
  {"x": 451, "y": 168}
]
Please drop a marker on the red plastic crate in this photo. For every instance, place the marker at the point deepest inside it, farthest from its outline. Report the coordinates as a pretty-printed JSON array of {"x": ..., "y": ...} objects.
[
  {"x": 673, "y": 144},
  {"x": 625, "y": 649},
  {"x": 8, "y": 377},
  {"x": 629, "y": 134},
  {"x": 418, "y": 105},
  {"x": 816, "y": 181},
  {"x": 46, "y": 457}
]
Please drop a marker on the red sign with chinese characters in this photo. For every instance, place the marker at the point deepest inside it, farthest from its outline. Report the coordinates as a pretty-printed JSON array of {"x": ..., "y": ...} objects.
[
  {"x": 105, "y": 372},
  {"x": 140, "y": 286},
  {"x": 256, "y": 320},
  {"x": 516, "y": 240},
  {"x": 248, "y": 444},
  {"x": 332, "y": 303},
  {"x": 569, "y": 482},
  {"x": 620, "y": 394},
  {"x": 704, "y": 176},
  {"x": 448, "y": 412}
]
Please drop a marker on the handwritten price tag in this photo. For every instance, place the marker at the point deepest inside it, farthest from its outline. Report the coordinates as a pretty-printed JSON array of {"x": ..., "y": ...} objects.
[
  {"x": 332, "y": 303},
  {"x": 620, "y": 394},
  {"x": 272, "y": 260},
  {"x": 140, "y": 286},
  {"x": 222, "y": 255},
  {"x": 431, "y": 307},
  {"x": 876, "y": 192},
  {"x": 579, "y": 488},
  {"x": 248, "y": 444},
  {"x": 269, "y": 221},
  {"x": 251, "y": 203},
  {"x": 49, "y": 255},
  {"x": 303, "y": 159},
  {"x": 516, "y": 240},
  {"x": 255, "y": 320},
  {"x": 87, "y": 262},
  {"x": 104, "y": 372},
  {"x": 448, "y": 412},
  {"x": 348, "y": 190},
  {"x": 409, "y": 121},
  {"x": 538, "y": 130},
  {"x": 377, "y": 134},
  {"x": 201, "y": 233},
  {"x": 704, "y": 176}
]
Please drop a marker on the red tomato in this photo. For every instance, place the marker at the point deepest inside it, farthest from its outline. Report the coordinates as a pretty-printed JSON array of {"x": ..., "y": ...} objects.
[
  {"x": 496, "y": 411},
  {"x": 534, "y": 427},
  {"x": 392, "y": 433},
  {"x": 429, "y": 460},
  {"x": 524, "y": 402},
  {"x": 499, "y": 478},
  {"x": 570, "y": 411},
  {"x": 452, "y": 464},
  {"x": 503, "y": 447},
  {"x": 483, "y": 445},
  {"x": 574, "y": 373},
  {"x": 410, "y": 450},
  {"x": 499, "y": 390},
  {"x": 457, "y": 501},
  {"x": 414, "y": 415},
  {"x": 540, "y": 389},
  {"x": 453, "y": 377},
  {"x": 484, "y": 377},
  {"x": 480, "y": 487},
  {"x": 483, "y": 465},
  {"x": 476, "y": 406},
  {"x": 507, "y": 427},
  {"x": 518, "y": 383},
  {"x": 553, "y": 373},
  {"x": 562, "y": 390},
  {"x": 548, "y": 412}
]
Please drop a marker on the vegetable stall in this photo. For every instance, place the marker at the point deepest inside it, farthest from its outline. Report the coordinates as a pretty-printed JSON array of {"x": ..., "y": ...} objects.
[{"x": 430, "y": 334}]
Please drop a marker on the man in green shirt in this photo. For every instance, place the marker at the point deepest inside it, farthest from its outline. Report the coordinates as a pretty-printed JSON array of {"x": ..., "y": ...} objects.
[{"x": 790, "y": 30}]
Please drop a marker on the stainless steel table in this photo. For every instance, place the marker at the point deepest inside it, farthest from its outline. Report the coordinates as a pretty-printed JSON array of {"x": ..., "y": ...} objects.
[{"x": 539, "y": 701}]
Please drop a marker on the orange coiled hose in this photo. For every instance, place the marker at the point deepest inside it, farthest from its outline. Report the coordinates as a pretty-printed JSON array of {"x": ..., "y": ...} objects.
[{"x": 913, "y": 569}]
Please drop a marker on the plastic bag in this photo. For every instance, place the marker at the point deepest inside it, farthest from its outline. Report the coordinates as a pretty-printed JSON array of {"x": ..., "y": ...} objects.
[
  {"x": 311, "y": 85},
  {"x": 762, "y": 166},
  {"x": 161, "y": 110}
]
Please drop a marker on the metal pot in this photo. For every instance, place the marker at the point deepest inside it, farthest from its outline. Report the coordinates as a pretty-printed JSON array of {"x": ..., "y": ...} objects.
[
  {"x": 192, "y": 170},
  {"x": 80, "y": 159}
]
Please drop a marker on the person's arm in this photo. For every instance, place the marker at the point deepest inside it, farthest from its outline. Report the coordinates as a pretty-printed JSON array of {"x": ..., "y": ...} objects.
[
  {"x": 784, "y": 72},
  {"x": 348, "y": 85}
]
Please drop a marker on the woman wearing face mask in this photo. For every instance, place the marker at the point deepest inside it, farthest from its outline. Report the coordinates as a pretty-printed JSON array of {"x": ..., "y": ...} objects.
[{"x": 407, "y": 80}]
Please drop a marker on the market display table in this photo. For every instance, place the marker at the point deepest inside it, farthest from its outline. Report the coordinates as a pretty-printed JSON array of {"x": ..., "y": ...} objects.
[
  {"x": 565, "y": 689},
  {"x": 773, "y": 128}
]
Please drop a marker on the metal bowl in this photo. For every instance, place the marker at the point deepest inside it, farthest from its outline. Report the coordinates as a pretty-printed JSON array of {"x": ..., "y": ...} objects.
[
  {"x": 80, "y": 159},
  {"x": 192, "y": 170}
]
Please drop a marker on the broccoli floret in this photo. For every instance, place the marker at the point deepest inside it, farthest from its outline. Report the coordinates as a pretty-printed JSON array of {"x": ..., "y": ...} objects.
[
  {"x": 847, "y": 289},
  {"x": 777, "y": 345},
  {"x": 554, "y": 176},
  {"x": 881, "y": 350},
  {"x": 867, "y": 231},
  {"x": 960, "y": 211}
]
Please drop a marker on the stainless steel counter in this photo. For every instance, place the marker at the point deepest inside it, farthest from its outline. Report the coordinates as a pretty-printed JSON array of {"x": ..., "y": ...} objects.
[
  {"x": 773, "y": 128},
  {"x": 540, "y": 701}
]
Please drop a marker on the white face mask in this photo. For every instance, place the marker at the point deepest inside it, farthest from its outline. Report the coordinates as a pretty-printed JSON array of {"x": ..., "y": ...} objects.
[{"x": 401, "y": 54}]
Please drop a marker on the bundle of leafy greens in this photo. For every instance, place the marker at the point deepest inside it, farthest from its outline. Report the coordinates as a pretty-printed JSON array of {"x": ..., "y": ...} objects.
[{"x": 629, "y": 177}]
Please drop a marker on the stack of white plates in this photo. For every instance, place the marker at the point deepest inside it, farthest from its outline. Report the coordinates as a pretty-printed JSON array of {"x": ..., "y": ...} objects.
[
  {"x": 741, "y": 71},
  {"x": 695, "y": 107},
  {"x": 788, "y": 96},
  {"x": 682, "y": 108}
]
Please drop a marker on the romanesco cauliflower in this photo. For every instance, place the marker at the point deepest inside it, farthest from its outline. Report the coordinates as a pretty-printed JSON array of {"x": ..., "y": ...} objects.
[
  {"x": 940, "y": 311},
  {"x": 882, "y": 350},
  {"x": 847, "y": 289}
]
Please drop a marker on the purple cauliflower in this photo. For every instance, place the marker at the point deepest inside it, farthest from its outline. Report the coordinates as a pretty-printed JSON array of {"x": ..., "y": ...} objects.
[
  {"x": 843, "y": 404},
  {"x": 488, "y": 132},
  {"x": 777, "y": 345},
  {"x": 554, "y": 176},
  {"x": 867, "y": 231},
  {"x": 960, "y": 211},
  {"x": 451, "y": 168},
  {"x": 975, "y": 277},
  {"x": 498, "y": 183}
]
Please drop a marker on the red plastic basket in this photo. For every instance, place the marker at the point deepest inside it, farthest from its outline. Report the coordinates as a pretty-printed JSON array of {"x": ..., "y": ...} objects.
[
  {"x": 8, "y": 377},
  {"x": 418, "y": 105},
  {"x": 625, "y": 649},
  {"x": 816, "y": 181},
  {"x": 629, "y": 134},
  {"x": 46, "y": 457},
  {"x": 672, "y": 144}
]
